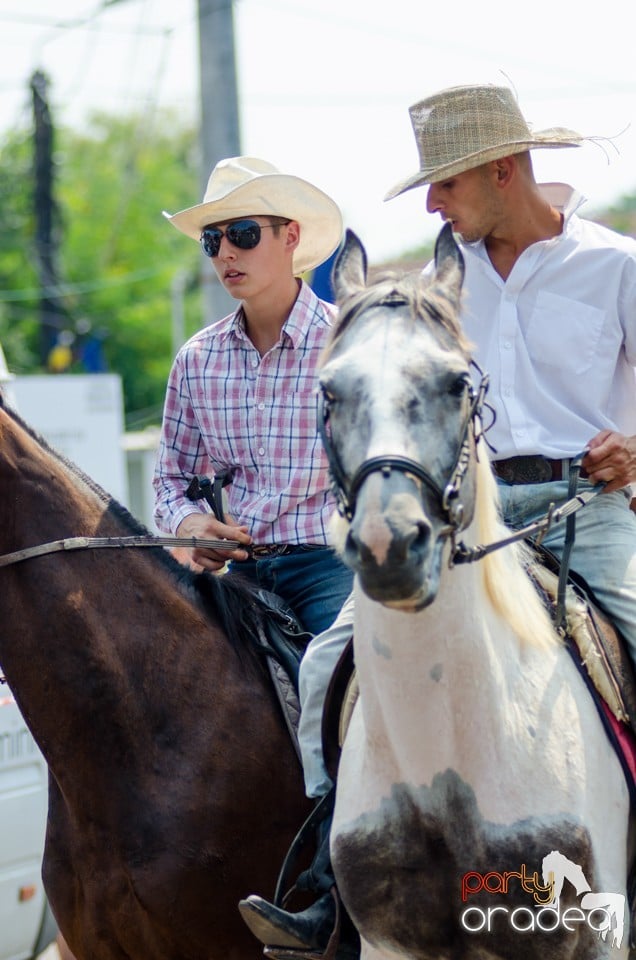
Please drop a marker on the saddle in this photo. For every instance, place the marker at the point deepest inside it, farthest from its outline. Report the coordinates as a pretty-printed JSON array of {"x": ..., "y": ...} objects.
[
  {"x": 594, "y": 642},
  {"x": 283, "y": 642}
]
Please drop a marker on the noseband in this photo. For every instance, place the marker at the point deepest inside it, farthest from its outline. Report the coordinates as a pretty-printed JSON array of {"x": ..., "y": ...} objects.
[{"x": 346, "y": 492}]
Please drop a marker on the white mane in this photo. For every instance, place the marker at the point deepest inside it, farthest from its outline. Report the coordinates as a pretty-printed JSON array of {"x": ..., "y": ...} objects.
[{"x": 506, "y": 582}]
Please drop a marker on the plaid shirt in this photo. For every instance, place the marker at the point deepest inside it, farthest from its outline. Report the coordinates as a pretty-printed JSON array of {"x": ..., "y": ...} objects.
[{"x": 228, "y": 407}]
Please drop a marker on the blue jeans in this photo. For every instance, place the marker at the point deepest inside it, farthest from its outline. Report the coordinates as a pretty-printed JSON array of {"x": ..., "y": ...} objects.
[
  {"x": 604, "y": 551},
  {"x": 313, "y": 582},
  {"x": 316, "y": 669}
]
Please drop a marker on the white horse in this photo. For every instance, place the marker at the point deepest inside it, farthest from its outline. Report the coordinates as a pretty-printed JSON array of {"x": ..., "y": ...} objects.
[{"x": 474, "y": 749}]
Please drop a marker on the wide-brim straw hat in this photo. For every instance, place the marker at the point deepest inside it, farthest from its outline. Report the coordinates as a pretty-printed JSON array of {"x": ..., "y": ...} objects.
[
  {"x": 247, "y": 186},
  {"x": 462, "y": 127}
]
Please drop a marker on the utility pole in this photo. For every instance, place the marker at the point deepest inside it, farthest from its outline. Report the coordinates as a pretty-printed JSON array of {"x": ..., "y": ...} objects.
[
  {"x": 51, "y": 316},
  {"x": 219, "y": 131}
]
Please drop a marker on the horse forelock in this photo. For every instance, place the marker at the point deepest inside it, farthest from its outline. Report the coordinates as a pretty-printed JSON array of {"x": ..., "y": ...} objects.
[{"x": 413, "y": 291}]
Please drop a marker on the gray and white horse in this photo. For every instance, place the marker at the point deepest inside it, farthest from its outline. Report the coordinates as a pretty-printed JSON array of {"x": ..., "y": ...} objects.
[{"x": 474, "y": 750}]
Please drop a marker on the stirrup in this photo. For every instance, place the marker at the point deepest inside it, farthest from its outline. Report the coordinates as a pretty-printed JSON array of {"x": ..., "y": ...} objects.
[{"x": 300, "y": 953}]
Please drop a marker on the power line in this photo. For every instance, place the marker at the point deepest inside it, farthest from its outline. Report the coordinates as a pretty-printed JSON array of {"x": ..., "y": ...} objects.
[{"x": 62, "y": 290}]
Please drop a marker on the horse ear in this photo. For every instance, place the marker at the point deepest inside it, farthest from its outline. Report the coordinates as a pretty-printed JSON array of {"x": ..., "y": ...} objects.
[
  {"x": 449, "y": 265},
  {"x": 349, "y": 273}
]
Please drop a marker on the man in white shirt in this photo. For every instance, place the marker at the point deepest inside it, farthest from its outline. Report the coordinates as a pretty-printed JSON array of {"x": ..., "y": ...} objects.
[{"x": 549, "y": 303}]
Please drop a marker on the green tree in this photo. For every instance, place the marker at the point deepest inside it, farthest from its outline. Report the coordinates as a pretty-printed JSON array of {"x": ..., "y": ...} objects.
[{"x": 117, "y": 255}]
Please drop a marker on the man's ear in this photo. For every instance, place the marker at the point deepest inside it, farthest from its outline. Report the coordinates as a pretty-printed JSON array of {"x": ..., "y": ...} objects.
[
  {"x": 293, "y": 235},
  {"x": 503, "y": 168}
]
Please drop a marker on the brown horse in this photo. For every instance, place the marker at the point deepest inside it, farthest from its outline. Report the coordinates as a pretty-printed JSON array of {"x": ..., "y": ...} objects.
[{"x": 174, "y": 786}]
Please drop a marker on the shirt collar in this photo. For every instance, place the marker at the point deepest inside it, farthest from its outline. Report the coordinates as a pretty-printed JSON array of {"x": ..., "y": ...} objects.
[
  {"x": 563, "y": 198},
  {"x": 296, "y": 326},
  {"x": 302, "y": 316}
]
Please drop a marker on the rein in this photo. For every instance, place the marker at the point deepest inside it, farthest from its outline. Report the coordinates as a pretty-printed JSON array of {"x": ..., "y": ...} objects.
[
  {"x": 463, "y": 554},
  {"x": 94, "y": 543}
]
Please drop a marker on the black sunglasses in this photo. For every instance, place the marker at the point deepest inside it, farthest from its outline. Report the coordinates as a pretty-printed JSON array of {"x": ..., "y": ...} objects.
[{"x": 244, "y": 234}]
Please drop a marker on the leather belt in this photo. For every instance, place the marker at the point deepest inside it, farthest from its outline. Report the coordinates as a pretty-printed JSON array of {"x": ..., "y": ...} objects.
[
  {"x": 260, "y": 551},
  {"x": 533, "y": 469}
]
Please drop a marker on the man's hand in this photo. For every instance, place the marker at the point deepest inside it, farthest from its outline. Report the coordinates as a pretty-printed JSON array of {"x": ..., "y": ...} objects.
[
  {"x": 611, "y": 459},
  {"x": 206, "y": 527}
]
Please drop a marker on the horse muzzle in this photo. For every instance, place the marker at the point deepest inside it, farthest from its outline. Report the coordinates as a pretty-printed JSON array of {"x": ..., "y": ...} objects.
[{"x": 395, "y": 548}]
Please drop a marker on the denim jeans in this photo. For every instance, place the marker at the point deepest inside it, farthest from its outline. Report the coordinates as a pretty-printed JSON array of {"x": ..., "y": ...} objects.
[
  {"x": 316, "y": 669},
  {"x": 313, "y": 582},
  {"x": 604, "y": 551}
]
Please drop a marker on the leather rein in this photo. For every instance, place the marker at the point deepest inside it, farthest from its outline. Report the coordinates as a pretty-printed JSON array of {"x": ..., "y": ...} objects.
[{"x": 93, "y": 543}]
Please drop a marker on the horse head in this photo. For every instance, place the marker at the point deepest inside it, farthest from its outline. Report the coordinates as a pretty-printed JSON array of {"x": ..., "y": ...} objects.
[{"x": 397, "y": 421}]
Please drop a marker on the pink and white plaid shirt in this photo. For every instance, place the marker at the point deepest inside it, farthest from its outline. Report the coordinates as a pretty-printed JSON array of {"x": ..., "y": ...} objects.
[{"x": 228, "y": 407}]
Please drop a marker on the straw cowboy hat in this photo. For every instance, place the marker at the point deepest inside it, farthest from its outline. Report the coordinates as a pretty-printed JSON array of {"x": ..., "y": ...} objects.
[
  {"x": 247, "y": 186},
  {"x": 462, "y": 127}
]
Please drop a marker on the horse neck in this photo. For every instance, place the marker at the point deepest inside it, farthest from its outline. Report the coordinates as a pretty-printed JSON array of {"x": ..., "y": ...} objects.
[
  {"x": 43, "y": 498},
  {"x": 107, "y": 639}
]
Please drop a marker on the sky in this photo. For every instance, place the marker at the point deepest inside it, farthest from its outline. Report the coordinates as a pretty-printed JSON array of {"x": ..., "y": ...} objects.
[{"x": 325, "y": 85}]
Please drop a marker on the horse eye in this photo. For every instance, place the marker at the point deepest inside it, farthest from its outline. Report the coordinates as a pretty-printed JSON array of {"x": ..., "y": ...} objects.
[{"x": 458, "y": 386}]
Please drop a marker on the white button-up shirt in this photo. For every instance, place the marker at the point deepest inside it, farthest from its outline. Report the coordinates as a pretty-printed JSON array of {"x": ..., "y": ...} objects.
[{"x": 558, "y": 336}]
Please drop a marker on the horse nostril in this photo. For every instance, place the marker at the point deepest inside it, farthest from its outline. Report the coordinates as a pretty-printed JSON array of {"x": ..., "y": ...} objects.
[
  {"x": 352, "y": 546},
  {"x": 419, "y": 540}
]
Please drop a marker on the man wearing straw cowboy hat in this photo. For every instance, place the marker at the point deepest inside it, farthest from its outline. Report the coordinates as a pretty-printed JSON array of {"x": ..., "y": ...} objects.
[
  {"x": 550, "y": 303},
  {"x": 241, "y": 393}
]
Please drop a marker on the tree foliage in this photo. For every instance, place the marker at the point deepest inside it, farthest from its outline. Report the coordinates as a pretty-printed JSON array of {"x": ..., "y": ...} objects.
[
  {"x": 117, "y": 258},
  {"x": 116, "y": 255}
]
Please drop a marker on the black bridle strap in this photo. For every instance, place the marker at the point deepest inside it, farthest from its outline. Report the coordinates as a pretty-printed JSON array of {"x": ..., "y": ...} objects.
[
  {"x": 93, "y": 543},
  {"x": 387, "y": 465}
]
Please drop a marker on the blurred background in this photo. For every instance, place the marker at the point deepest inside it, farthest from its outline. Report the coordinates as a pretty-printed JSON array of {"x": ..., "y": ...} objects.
[{"x": 114, "y": 110}]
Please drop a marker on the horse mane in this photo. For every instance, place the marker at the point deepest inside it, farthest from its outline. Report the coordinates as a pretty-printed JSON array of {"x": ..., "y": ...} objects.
[
  {"x": 507, "y": 583},
  {"x": 229, "y": 602},
  {"x": 411, "y": 289}
]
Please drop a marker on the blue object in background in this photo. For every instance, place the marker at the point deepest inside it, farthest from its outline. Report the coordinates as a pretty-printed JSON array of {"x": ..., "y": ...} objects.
[{"x": 320, "y": 281}]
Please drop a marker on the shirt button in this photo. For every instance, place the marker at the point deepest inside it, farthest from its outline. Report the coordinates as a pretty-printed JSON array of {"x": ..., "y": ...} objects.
[
  {"x": 507, "y": 345},
  {"x": 261, "y": 406},
  {"x": 254, "y": 362},
  {"x": 261, "y": 451}
]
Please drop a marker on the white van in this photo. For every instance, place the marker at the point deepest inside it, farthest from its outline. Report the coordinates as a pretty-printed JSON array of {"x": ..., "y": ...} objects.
[{"x": 27, "y": 926}]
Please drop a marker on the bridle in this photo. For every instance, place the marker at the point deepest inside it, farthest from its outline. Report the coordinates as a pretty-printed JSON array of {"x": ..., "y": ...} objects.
[{"x": 448, "y": 495}]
